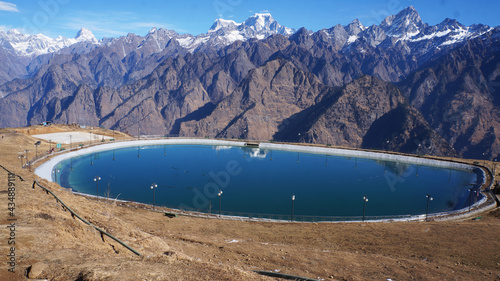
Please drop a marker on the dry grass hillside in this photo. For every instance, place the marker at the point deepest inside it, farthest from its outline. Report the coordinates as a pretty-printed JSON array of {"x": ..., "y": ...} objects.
[{"x": 51, "y": 244}]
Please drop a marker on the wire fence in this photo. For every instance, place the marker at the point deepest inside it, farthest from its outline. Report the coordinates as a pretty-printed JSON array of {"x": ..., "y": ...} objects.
[
  {"x": 255, "y": 216},
  {"x": 305, "y": 218}
]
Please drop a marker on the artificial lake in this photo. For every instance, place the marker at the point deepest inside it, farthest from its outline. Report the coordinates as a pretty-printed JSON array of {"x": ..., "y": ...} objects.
[{"x": 260, "y": 182}]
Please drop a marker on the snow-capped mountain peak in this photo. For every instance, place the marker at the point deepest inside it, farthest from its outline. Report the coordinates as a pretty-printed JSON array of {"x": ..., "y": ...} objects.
[
  {"x": 357, "y": 23},
  {"x": 355, "y": 27},
  {"x": 450, "y": 24},
  {"x": 13, "y": 32},
  {"x": 262, "y": 25},
  {"x": 260, "y": 21},
  {"x": 162, "y": 32},
  {"x": 224, "y": 32},
  {"x": 406, "y": 22},
  {"x": 85, "y": 35},
  {"x": 224, "y": 24}
]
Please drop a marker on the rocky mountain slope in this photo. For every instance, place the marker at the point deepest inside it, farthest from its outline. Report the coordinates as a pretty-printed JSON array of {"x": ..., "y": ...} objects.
[
  {"x": 459, "y": 96},
  {"x": 402, "y": 85}
]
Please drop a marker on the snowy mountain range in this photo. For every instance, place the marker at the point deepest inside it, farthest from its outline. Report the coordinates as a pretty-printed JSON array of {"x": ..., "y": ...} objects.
[
  {"x": 222, "y": 33},
  {"x": 406, "y": 26},
  {"x": 25, "y": 54},
  {"x": 225, "y": 32},
  {"x": 39, "y": 44}
]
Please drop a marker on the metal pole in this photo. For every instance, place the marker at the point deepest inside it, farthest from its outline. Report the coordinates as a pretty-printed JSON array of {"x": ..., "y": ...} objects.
[
  {"x": 153, "y": 187},
  {"x": 365, "y": 199},
  {"x": 97, "y": 179},
  {"x": 55, "y": 175},
  {"x": 429, "y": 198},
  {"x": 494, "y": 168},
  {"x": 28, "y": 160},
  {"x": 470, "y": 198},
  {"x": 219, "y": 194},
  {"x": 293, "y": 203}
]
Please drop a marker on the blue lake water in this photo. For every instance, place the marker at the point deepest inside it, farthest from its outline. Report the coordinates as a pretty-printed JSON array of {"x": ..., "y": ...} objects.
[{"x": 257, "y": 181}]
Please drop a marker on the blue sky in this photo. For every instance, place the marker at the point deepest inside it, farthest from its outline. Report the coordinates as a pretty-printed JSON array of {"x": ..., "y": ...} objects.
[{"x": 112, "y": 18}]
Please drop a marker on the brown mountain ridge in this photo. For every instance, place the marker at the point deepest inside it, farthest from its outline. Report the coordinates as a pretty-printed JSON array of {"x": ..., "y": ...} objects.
[{"x": 376, "y": 92}]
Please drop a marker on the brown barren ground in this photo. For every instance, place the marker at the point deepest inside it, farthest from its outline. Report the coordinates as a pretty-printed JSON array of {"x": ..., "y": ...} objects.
[{"x": 50, "y": 244}]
